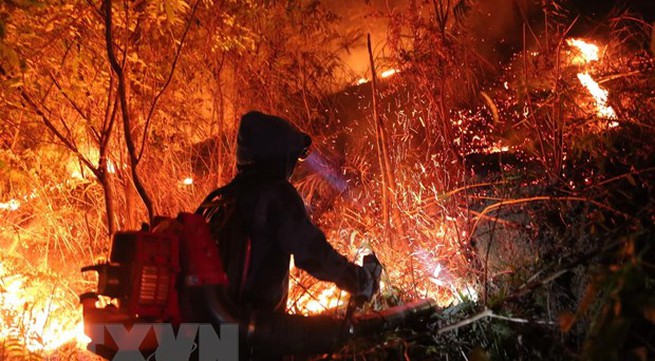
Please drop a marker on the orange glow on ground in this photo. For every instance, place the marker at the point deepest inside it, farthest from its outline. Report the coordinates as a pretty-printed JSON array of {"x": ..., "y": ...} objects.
[{"x": 37, "y": 314}]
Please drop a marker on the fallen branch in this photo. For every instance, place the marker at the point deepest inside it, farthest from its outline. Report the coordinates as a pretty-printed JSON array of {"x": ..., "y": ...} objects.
[
  {"x": 465, "y": 322},
  {"x": 534, "y": 283},
  {"x": 488, "y": 313}
]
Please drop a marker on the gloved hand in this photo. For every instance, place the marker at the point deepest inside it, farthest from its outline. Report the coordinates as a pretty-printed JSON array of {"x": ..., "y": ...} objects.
[{"x": 373, "y": 271}]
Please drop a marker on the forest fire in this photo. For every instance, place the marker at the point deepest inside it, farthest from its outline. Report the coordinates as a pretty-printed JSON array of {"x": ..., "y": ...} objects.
[
  {"x": 504, "y": 151},
  {"x": 47, "y": 323}
]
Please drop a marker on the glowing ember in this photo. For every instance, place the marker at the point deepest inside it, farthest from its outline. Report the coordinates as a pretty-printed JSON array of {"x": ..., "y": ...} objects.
[
  {"x": 497, "y": 148},
  {"x": 36, "y": 314},
  {"x": 187, "y": 181},
  {"x": 600, "y": 94},
  {"x": 588, "y": 52},
  {"x": 11, "y": 205},
  {"x": 388, "y": 73},
  {"x": 385, "y": 74}
]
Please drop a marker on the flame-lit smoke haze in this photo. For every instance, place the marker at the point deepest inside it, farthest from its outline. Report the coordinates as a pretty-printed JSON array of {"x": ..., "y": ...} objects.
[{"x": 494, "y": 24}]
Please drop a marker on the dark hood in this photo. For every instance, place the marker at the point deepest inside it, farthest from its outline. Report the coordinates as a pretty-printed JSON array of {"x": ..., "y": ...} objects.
[{"x": 268, "y": 145}]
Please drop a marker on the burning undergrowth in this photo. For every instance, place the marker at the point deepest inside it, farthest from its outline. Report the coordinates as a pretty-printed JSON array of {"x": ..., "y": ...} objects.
[{"x": 39, "y": 311}]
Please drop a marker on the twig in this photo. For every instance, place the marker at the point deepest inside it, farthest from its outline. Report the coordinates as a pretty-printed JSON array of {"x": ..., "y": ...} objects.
[
  {"x": 618, "y": 76},
  {"x": 68, "y": 98},
  {"x": 467, "y": 321},
  {"x": 488, "y": 313},
  {"x": 48, "y": 123},
  {"x": 626, "y": 175},
  {"x": 541, "y": 198},
  {"x": 521, "y": 320},
  {"x": 379, "y": 138},
  {"x": 471, "y": 186}
]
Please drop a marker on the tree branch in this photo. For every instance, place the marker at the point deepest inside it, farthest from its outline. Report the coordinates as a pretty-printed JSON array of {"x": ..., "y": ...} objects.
[
  {"x": 70, "y": 100},
  {"x": 144, "y": 139},
  {"x": 50, "y": 125},
  {"x": 116, "y": 67},
  {"x": 538, "y": 199}
]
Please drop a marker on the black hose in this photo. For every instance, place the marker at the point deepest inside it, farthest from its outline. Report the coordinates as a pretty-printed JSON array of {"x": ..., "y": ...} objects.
[
  {"x": 273, "y": 333},
  {"x": 284, "y": 334}
]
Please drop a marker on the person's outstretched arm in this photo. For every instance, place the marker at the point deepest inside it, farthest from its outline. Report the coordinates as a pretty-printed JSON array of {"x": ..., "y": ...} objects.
[{"x": 297, "y": 235}]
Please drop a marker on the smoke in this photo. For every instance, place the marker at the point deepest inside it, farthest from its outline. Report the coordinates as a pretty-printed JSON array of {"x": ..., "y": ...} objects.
[
  {"x": 364, "y": 17},
  {"x": 497, "y": 27},
  {"x": 494, "y": 25}
]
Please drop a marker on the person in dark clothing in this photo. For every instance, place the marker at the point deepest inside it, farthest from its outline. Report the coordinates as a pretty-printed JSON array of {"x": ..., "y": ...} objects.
[{"x": 259, "y": 220}]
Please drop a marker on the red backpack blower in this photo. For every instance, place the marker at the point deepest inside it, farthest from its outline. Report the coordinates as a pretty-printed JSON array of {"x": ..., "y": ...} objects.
[
  {"x": 148, "y": 273},
  {"x": 174, "y": 274}
]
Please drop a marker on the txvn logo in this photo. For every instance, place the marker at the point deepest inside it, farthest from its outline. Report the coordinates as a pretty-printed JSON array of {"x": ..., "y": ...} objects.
[{"x": 158, "y": 341}]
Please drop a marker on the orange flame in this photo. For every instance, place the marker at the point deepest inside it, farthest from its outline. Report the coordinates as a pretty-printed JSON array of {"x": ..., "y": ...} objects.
[
  {"x": 37, "y": 314},
  {"x": 10, "y": 205},
  {"x": 385, "y": 74},
  {"x": 600, "y": 95},
  {"x": 589, "y": 52}
]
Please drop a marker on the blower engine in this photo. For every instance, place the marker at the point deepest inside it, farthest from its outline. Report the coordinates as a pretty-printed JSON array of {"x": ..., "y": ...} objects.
[{"x": 174, "y": 274}]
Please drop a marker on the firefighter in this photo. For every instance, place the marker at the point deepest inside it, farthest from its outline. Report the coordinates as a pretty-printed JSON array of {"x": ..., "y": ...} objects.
[{"x": 259, "y": 220}]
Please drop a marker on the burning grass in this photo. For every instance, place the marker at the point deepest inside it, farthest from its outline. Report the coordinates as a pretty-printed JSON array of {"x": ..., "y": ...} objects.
[{"x": 38, "y": 310}]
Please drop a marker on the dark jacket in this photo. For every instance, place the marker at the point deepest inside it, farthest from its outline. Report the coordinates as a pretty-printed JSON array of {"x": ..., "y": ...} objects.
[{"x": 261, "y": 208}]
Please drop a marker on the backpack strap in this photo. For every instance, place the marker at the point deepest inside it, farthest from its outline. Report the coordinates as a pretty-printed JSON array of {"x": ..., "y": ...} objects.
[
  {"x": 209, "y": 202},
  {"x": 208, "y": 209}
]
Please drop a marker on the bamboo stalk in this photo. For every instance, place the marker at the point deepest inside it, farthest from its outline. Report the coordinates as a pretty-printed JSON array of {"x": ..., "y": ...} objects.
[
  {"x": 379, "y": 138},
  {"x": 384, "y": 157}
]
